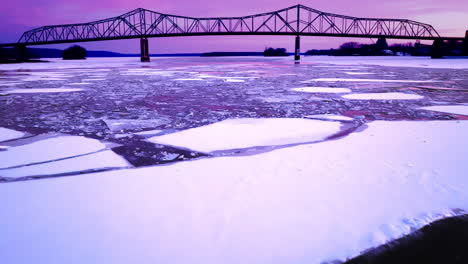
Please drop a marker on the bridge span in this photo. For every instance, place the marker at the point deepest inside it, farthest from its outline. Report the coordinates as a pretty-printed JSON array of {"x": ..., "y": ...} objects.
[{"x": 296, "y": 21}]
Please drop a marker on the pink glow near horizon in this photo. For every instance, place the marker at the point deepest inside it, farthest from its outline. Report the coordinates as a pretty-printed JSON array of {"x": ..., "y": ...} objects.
[{"x": 448, "y": 17}]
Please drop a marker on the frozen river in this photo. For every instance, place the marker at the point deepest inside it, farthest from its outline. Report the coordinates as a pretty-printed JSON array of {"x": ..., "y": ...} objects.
[{"x": 227, "y": 160}]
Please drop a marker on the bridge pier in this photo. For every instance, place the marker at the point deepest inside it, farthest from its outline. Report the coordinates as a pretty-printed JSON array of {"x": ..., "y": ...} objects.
[
  {"x": 144, "y": 50},
  {"x": 437, "y": 49},
  {"x": 465, "y": 44},
  {"x": 297, "y": 50},
  {"x": 22, "y": 53}
]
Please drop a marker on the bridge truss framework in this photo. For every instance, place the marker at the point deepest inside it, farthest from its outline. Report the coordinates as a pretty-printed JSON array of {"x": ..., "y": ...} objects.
[{"x": 296, "y": 20}]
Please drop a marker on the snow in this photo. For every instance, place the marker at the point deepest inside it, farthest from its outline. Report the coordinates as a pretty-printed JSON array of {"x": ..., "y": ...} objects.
[
  {"x": 249, "y": 132},
  {"x": 99, "y": 160},
  {"x": 382, "y": 96},
  {"x": 452, "y": 109},
  {"x": 49, "y": 149},
  {"x": 9, "y": 134},
  {"x": 41, "y": 90},
  {"x": 330, "y": 117},
  {"x": 322, "y": 90},
  {"x": 365, "y": 80},
  {"x": 304, "y": 204}
]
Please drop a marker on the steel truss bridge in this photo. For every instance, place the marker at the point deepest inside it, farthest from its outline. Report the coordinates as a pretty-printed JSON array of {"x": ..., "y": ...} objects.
[{"x": 296, "y": 20}]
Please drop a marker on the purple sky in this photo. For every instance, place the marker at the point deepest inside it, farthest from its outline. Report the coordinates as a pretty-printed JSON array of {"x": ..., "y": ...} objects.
[{"x": 448, "y": 17}]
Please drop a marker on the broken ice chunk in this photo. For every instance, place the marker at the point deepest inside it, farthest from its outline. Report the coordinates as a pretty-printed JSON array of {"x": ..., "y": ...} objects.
[
  {"x": 117, "y": 125},
  {"x": 249, "y": 132},
  {"x": 49, "y": 149},
  {"x": 8, "y": 134},
  {"x": 101, "y": 160}
]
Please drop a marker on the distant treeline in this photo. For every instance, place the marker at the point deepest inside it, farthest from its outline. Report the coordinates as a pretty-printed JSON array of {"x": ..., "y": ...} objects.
[
  {"x": 381, "y": 48},
  {"x": 35, "y": 53}
]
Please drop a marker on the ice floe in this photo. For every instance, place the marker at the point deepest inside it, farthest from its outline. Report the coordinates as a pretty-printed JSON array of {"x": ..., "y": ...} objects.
[
  {"x": 382, "y": 96},
  {"x": 392, "y": 61},
  {"x": 322, "y": 90},
  {"x": 243, "y": 209},
  {"x": 359, "y": 73},
  {"x": 10, "y": 83},
  {"x": 49, "y": 149},
  {"x": 79, "y": 83},
  {"x": 101, "y": 160},
  {"x": 452, "y": 109},
  {"x": 93, "y": 79},
  {"x": 365, "y": 80},
  {"x": 188, "y": 79},
  {"x": 330, "y": 117},
  {"x": 8, "y": 134},
  {"x": 150, "y": 132},
  {"x": 117, "y": 125},
  {"x": 249, "y": 132},
  {"x": 234, "y": 80},
  {"x": 41, "y": 90}
]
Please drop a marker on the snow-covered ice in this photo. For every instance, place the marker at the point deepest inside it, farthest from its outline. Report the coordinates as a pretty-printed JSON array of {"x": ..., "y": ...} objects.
[
  {"x": 249, "y": 132},
  {"x": 322, "y": 90},
  {"x": 304, "y": 204},
  {"x": 93, "y": 79},
  {"x": 79, "y": 83},
  {"x": 392, "y": 61},
  {"x": 8, "y": 134},
  {"x": 359, "y": 73},
  {"x": 330, "y": 117},
  {"x": 452, "y": 109},
  {"x": 382, "y": 96},
  {"x": 10, "y": 83},
  {"x": 117, "y": 125},
  {"x": 49, "y": 149},
  {"x": 188, "y": 79},
  {"x": 100, "y": 160},
  {"x": 234, "y": 80},
  {"x": 41, "y": 90},
  {"x": 150, "y": 132},
  {"x": 365, "y": 80}
]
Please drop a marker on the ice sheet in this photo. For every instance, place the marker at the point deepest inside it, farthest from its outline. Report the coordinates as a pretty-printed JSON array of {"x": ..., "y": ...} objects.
[
  {"x": 305, "y": 204},
  {"x": 249, "y": 132}
]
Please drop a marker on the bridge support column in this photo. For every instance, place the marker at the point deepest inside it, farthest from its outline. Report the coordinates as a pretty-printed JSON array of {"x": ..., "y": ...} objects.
[
  {"x": 144, "y": 50},
  {"x": 22, "y": 53},
  {"x": 465, "y": 44},
  {"x": 297, "y": 50},
  {"x": 437, "y": 49}
]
